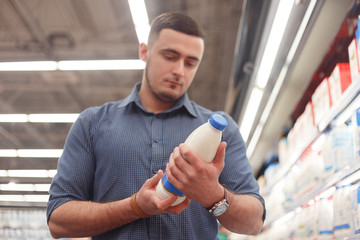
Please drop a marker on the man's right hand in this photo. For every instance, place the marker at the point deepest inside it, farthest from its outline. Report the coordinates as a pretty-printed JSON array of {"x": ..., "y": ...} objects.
[{"x": 151, "y": 204}]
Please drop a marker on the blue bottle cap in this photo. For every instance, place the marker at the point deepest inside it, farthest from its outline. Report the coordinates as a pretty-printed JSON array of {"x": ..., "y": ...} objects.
[
  {"x": 168, "y": 186},
  {"x": 218, "y": 122}
]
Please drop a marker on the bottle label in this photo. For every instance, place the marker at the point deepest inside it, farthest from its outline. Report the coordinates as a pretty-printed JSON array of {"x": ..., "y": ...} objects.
[{"x": 169, "y": 187}]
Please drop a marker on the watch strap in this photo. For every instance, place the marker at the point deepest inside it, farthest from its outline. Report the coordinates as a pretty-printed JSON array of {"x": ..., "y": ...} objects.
[{"x": 221, "y": 202}]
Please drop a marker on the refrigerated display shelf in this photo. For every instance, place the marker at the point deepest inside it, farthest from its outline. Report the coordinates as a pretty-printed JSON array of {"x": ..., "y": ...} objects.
[
  {"x": 337, "y": 177},
  {"x": 343, "y": 109},
  {"x": 351, "y": 95}
]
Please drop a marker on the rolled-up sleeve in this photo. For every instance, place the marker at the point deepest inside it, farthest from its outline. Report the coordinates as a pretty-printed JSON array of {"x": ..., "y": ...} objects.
[{"x": 75, "y": 173}]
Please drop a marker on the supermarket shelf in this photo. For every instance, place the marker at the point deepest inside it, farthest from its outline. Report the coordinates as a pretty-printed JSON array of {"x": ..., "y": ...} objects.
[
  {"x": 349, "y": 101},
  {"x": 348, "y": 97},
  {"x": 331, "y": 181},
  {"x": 284, "y": 169},
  {"x": 351, "y": 95}
]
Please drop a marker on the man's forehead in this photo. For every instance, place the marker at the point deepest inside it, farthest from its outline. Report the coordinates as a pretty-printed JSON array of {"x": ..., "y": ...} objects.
[{"x": 180, "y": 42}]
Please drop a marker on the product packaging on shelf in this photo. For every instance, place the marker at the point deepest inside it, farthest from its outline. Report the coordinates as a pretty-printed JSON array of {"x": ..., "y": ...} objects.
[
  {"x": 339, "y": 81},
  {"x": 275, "y": 201},
  {"x": 321, "y": 100},
  {"x": 329, "y": 164},
  {"x": 356, "y": 212},
  {"x": 343, "y": 212},
  {"x": 326, "y": 218},
  {"x": 309, "y": 129},
  {"x": 354, "y": 60},
  {"x": 292, "y": 141},
  {"x": 356, "y": 134},
  {"x": 303, "y": 131},
  {"x": 310, "y": 173},
  {"x": 270, "y": 172},
  {"x": 341, "y": 146},
  {"x": 283, "y": 150}
]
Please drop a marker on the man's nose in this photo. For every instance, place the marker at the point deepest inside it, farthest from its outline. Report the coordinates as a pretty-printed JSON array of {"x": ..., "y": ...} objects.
[{"x": 179, "y": 69}]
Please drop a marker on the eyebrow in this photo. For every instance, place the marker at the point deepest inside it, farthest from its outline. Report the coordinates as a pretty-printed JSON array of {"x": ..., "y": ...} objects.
[{"x": 177, "y": 53}]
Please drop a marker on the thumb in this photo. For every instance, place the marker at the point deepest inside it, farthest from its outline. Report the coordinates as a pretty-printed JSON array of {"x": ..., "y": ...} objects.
[{"x": 220, "y": 156}]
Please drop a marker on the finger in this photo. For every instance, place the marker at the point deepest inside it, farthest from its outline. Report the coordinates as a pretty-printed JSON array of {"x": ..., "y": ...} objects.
[
  {"x": 163, "y": 204},
  {"x": 170, "y": 174},
  {"x": 177, "y": 162},
  {"x": 154, "y": 180},
  {"x": 171, "y": 158},
  {"x": 172, "y": 162},
  {"x": 220, "y": 155},
  {"x": 188, "y": 154},
  {"x": 179, "y": 208}
]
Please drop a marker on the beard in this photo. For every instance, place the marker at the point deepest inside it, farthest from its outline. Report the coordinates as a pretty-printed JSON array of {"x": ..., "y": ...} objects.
[{"x": 164, "y": 96}]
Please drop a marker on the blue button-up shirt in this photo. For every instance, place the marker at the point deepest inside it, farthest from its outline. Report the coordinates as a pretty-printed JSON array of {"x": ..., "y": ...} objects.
[{"x": 112, "y": 150}]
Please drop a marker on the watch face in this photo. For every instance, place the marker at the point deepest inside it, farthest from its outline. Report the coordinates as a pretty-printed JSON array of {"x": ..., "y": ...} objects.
[{"x": 220, "y": 209}]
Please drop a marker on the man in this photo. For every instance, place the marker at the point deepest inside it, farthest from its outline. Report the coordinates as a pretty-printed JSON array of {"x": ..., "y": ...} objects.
[{"x": 115, "y": 155}]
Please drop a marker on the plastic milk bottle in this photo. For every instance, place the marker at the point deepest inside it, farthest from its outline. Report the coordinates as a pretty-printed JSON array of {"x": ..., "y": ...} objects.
[{"x": 205, "y": 141}]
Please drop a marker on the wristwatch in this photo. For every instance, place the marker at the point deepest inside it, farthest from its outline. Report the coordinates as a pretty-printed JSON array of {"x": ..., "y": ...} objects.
[{"x": 220, "y": 207}]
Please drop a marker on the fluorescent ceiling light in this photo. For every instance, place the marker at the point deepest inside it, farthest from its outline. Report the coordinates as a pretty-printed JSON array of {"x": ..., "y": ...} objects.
[
  {"x": 134, "y": 64},
  {"x": 28, "y": 66},
  {"x": 43, "y": 173},
  {"x": 53, "y": 118},
  {"x": 265, "y": 114},
  {"x": 289, "y": 59},
  {"x": 13, "y": 117},
  {"x": 254, "y": 139},
  {"x": 25, "y": 187},
  {"x": 39, "y": 153},
  {"x": 8, "y": 153},
  {"x": 40, "y": 118},
  {"x": 273, "y": 96},
  {"x": 250, "y": 113},
  {"x": 31, "y": 153},
  {"x": 24, "y": 198},
  {"x": 282, "y": 75},
  {"x": 266, "y": 64},
  {"x": 273, "y": 43},
  {"x": 76, "y": 65},
  {"x": 140, "y": 19}
]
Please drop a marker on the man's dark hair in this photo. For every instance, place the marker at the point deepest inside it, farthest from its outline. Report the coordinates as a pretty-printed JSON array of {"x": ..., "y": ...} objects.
[{"x": 176, "y": 21}]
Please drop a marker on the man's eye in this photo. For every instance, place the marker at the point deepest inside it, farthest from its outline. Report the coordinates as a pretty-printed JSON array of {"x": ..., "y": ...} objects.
[
  {"x": 170, "y": 57},
  {"x": 191, "y": 63}
]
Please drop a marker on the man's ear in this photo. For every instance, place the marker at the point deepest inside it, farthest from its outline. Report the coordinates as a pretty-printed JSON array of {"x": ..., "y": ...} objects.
[{"x": 143, "y": 48}]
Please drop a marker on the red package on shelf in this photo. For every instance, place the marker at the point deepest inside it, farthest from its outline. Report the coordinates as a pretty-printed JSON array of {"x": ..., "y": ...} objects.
[{"x": 339, "y": 81}]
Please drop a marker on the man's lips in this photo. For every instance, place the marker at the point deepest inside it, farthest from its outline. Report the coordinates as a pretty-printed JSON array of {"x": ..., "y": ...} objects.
[{"x": 174, "y": 82}]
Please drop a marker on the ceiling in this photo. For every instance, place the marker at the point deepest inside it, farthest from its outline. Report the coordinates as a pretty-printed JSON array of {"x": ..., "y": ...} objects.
[{"x": 91, "y": 29}]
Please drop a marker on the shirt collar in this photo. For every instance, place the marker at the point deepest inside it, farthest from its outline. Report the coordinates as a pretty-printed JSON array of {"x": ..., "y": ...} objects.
[{"x": 184, "y": 101}]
